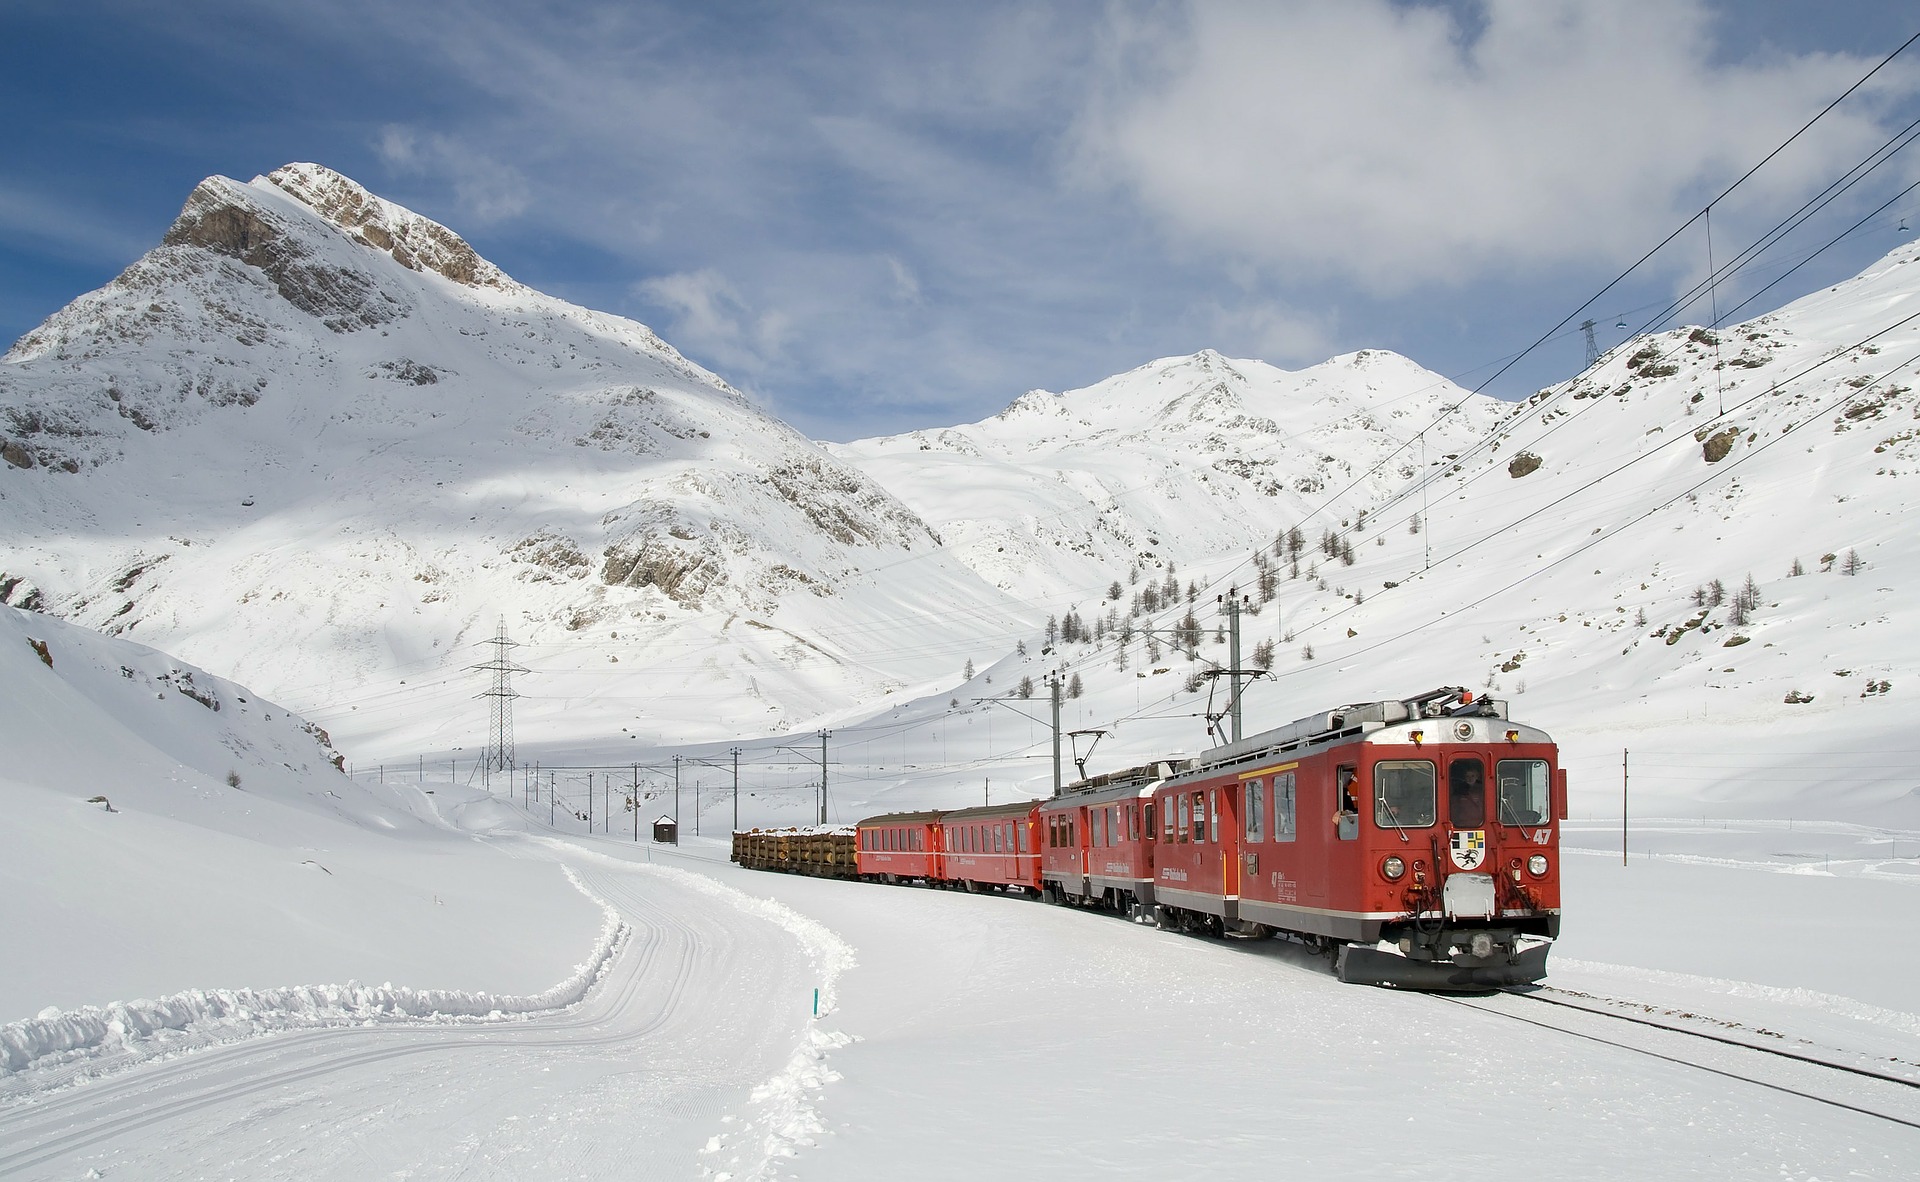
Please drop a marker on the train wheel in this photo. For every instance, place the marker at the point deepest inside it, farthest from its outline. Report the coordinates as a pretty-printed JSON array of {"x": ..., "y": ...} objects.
[{"x": 1166, "y": 917}]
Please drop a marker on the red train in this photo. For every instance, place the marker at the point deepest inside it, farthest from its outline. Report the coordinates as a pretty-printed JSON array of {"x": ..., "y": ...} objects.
[{"x": 1418, "y": 839}]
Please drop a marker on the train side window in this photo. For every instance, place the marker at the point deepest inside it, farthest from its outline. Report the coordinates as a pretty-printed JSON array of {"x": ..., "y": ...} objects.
[
  {"x": 1167, "y": 821},
  {"x": 1199, "y": 816},
  {"x": 1467, "y": 793},
  {"x": 1404, "y": 795},
  {"x": 1133, "y": 822},
  {"x": 1020, "y": 832},
  {"x": 1186, "y": 809},
  {"x": 1526, "y": 793},
  {"x": 1251, "y": 801},
  {"x": 1283, "y": 807}
]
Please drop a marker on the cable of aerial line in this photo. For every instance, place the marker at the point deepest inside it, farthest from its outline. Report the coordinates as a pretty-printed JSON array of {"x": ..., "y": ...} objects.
[
  {"x": 1502, "y": 429},
  {"x": 1836, "y": 238},
  {"x": 1603, "y": 477},
  {"x": 1507, "y": 429},
  {"x": 1595, "y": 540}
]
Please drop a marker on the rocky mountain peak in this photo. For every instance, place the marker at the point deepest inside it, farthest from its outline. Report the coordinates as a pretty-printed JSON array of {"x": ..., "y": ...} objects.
[{"x": 415, "y": 242}]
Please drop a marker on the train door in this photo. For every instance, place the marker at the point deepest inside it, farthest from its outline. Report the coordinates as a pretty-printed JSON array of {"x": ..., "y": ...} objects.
[{"x": 1227, "y": 834}]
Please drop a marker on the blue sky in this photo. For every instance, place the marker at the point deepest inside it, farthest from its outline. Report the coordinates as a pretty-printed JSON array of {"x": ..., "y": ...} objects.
[{"x": 882, "y": 216}]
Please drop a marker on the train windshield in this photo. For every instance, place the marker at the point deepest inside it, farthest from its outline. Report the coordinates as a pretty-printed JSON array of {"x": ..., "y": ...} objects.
[
  {"x": 1403, "y": 794},
  {"x": 1526, "y": 794}
]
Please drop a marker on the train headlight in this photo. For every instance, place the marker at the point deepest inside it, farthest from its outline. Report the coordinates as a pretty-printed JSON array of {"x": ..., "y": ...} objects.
[
  {"x": 1393, "y": 867},
  {"x": 1537, "y": 865}
]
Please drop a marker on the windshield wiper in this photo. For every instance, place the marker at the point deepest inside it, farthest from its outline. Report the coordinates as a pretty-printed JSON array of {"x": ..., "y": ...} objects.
[{"x": 1393, "y": 816}]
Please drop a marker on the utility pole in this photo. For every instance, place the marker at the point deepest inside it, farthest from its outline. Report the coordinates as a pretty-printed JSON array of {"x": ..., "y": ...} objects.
[
  {"x": 1053, "y": 684},
  {"x": 501, "y": 692},
  {"x": 1233, "y": 603},
  {"x": 636, "y": 802},
  {"x": 1623, "y": 806},
  {"x": 736, "y": 789},
  {"x": 676, "y": 792},
  {"x": 824, "y": 735}
]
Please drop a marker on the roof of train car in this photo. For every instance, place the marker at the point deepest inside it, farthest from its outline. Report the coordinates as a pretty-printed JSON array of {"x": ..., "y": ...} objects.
[
  {"x": 986, "y": 812},
  {"x": 921, "y": 818}
]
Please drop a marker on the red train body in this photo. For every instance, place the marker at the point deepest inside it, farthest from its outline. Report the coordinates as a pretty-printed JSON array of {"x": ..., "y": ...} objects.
[{"x": 1417, "y": 838}]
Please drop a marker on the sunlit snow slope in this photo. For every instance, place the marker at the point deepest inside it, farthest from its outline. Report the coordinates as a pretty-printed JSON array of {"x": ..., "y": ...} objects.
[
  {"x": 314, "y": 441},
  {"x": 163, "y": 829}
]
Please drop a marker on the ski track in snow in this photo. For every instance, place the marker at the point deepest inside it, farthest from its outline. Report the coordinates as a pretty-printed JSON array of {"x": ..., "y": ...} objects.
[
  {"x": 57, "y": 1047},
  {"x": 781, "y": 1119},
  {"x": 686, "y": 1050}
]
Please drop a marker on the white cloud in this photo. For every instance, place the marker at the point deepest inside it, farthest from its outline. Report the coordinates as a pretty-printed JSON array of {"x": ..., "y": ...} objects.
[
  {"x": 1390, "y": 146},
  {"x": 484, "y": 190},
  {"x": 708, "y": 315}
]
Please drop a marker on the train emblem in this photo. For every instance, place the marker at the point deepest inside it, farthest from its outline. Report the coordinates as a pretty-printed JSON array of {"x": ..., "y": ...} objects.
[{"x": 1469, "y": 848}]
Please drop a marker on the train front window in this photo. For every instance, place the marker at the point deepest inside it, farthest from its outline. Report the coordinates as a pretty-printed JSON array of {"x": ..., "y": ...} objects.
[
  {"x": 1467, "y": 793},
  {"x": 1404, "y": 795},
  {"x": 1525, "y": 792}
]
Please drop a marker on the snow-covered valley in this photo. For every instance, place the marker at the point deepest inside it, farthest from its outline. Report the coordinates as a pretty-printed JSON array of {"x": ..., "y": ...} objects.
[{"x": 266, "y": 919}]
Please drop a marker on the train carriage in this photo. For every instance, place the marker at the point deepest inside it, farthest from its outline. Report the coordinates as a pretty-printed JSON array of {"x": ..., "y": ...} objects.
[
  {"x": 1098, "y": 839},
  {"x": 993, "y": 846},
  {"x": 900, "y": 847}
]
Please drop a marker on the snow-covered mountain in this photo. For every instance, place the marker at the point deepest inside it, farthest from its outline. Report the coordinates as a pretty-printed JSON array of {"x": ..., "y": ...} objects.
[
  {"x": 1589, "y": 558},
  {"x": 315, "y": 441},
  {"x": 1182, "y": 459}
]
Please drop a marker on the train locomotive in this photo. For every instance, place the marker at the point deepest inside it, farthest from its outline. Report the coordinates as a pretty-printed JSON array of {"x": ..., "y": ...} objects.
[{"x": 1416, "y": 840}]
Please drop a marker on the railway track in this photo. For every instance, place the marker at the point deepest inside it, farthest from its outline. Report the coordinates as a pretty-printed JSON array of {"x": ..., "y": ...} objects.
[{"x": 1887, "y": 1089}]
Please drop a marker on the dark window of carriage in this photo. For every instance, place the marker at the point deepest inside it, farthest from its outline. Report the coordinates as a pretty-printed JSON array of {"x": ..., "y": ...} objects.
[
  {"x": 1467, "y": 793},
  {"x": 1403, "y": 794}
]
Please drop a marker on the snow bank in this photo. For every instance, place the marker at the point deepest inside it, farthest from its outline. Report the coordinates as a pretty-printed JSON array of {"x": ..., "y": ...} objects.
[{"x": 113, "y": 1036}]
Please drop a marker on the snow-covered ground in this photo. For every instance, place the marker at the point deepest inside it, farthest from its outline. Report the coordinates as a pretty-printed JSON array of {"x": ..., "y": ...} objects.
[
  {"x": 962, "y": 1036},
  {"x": 226, "y": 957},
  {"x": 308, "y": 975}
]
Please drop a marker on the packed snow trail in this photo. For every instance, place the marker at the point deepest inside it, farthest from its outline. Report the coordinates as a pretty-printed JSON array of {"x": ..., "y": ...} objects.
[{"x": 694, "y": 1052}]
